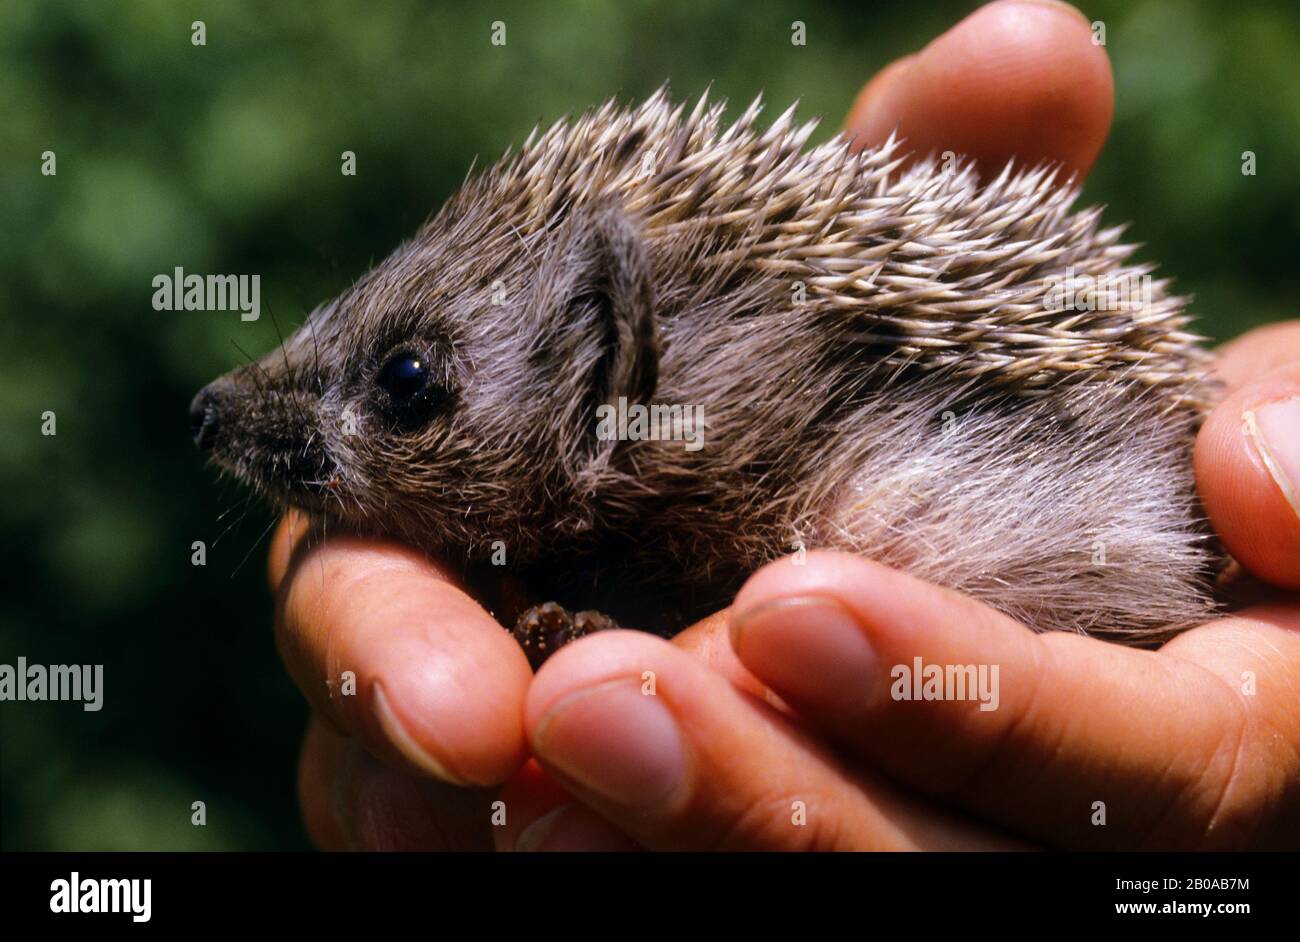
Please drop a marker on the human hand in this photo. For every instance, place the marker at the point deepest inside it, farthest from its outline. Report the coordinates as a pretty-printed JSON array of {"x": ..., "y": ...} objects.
[
  {"x": 438, "y": 658},
  {"x": 440, "y": 687},
  {"x": 1194, "y": 746}
]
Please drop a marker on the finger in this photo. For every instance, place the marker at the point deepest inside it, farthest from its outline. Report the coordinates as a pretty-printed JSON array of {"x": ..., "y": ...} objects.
[
  {"x": 351, "y": 801},
  {"x": 1257, "y": 353},
  {"x": 1247, "y": 461},
  {"x": 1042, "y": 727},
  {"x": 292, "y": 529},
  {"x": 541, "y": 816},
  {"x": 1016, "y": 78},
  {"x": 672, "y": 754},
  {"x": 318, "y": 768},
  {"x": 389, "y": 650},
  {"x": 709, "y": 642},
  {"x": 1255, "y": 652}
]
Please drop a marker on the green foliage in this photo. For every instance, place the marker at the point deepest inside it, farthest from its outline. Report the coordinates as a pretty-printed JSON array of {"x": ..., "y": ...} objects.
[{"x": 225, "y": 158}]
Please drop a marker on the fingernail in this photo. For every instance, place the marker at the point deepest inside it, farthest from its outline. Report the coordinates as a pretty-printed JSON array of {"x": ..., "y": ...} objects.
[
  {"x": 571, "y": 828},
  {"x": 405, "y": 743},
  {"x": 808, "y": 648},
  {"x": 617, "y": 741},
  {"x": 1274, "y": 428}
]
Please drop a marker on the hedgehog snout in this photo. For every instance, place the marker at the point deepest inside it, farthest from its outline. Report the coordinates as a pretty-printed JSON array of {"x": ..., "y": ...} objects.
[{"x": 205, "y": 416}]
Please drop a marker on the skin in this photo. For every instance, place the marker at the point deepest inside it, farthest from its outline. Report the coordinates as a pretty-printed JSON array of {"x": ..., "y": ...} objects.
[{"x": 784, "y": 698}]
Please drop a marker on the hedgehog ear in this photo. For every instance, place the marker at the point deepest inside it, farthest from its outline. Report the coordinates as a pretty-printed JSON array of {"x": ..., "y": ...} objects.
[{"x": 596, "y": 292}]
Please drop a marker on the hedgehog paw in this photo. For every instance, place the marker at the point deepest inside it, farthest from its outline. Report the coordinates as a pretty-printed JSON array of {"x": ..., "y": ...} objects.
[{"x": 544, "y": 629}]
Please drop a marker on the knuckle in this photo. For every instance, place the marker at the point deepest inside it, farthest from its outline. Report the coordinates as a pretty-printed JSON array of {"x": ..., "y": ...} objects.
[
  {"x": 780, "y": 820},
  {"x": 1210, "y": 798}
]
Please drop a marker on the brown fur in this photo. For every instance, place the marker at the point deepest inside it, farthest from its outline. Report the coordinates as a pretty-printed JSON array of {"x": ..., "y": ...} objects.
[{"x": 871, "y": 347}]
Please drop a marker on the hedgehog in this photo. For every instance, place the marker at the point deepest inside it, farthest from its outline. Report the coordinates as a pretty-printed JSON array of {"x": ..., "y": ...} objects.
[{"x": 649, "y": 352}]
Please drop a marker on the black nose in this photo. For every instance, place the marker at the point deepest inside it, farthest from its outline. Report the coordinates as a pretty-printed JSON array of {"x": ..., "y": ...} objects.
[{"x": 203, "y": 419}]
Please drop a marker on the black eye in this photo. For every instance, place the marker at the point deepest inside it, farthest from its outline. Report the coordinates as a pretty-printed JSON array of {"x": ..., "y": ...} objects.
[
  {"x": 404, "y": 377},
  {"x": 407, "y": 379}
]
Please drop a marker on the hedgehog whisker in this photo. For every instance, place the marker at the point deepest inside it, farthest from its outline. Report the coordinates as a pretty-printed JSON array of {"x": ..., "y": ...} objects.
[
  {"x": 257, "y": 368},
  {"x": 269, "y": 527},
  {"x": 293, "y": 378}
]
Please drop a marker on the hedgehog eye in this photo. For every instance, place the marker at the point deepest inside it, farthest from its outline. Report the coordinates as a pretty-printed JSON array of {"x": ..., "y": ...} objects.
[
  {"x": 407, "y": 380},
  {"x": 404, "y": 377}
]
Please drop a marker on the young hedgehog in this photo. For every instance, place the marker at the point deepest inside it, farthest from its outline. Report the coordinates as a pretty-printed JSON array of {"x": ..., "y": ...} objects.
[{"x": 900, "y": 363}]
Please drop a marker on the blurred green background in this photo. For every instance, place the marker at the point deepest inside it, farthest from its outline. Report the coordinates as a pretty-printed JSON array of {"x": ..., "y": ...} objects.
[{"x": 225, "y": 158}]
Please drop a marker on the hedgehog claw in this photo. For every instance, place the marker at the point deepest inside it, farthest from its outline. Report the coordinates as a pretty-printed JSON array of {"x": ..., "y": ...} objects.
[{"x": 544, "y": 629}]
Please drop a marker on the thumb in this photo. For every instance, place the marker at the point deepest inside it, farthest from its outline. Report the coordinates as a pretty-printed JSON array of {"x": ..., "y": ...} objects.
[
  {"x": 1016, "y": 78},
  {"x": 1248, "y": 455},
  {"x": 945, "y": 694},
  {"x": 673, "y": 755}
]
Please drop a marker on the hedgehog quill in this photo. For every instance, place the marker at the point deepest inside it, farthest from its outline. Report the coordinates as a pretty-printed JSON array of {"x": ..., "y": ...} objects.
[{"x": 893, "y": 360}]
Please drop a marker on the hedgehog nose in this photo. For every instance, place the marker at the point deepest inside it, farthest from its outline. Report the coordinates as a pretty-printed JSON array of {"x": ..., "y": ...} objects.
[{"x": 203, "y": 418}]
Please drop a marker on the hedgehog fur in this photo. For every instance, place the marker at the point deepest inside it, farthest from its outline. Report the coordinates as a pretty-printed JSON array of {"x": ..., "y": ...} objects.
[{"x": 877, "y": 349}]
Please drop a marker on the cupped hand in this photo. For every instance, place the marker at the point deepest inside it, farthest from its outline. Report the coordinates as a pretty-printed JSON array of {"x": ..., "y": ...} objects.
[
  {"x": 1090, "y": 744},
  {"x": 1082, "y": 743},
  {"x": 440, "y": 689}
]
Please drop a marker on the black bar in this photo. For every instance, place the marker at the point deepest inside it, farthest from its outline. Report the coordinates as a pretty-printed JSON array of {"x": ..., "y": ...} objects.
[{"x": 323, "y": 892}]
